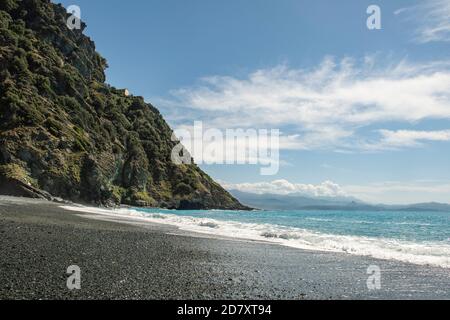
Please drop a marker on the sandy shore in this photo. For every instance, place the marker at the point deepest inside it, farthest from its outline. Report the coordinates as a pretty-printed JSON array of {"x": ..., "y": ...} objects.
[{"x": 39, "y": 240}]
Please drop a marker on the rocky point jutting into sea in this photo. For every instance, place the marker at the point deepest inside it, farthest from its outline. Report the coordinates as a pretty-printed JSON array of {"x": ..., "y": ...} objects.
[{"x": 64, "y": 132}]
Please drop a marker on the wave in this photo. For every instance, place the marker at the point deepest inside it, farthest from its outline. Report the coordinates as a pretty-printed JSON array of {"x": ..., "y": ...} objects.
[
  {"x": 423, "y": 253},
  {"x": 420, "y": 224},
  {"x": 209, "y": 225},
  {"x": 341, "y": 220}
]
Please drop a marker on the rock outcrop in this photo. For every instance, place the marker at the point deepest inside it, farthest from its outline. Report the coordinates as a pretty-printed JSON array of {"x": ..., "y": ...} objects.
[{"x": 65, "y": 133}]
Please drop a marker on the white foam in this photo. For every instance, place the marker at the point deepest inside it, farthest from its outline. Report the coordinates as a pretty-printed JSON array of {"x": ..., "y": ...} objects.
[{"x": 431, "y": 253}]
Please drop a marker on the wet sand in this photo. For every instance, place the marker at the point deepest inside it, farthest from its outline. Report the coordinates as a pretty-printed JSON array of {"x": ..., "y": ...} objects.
[{"x": 126, "y": 260}]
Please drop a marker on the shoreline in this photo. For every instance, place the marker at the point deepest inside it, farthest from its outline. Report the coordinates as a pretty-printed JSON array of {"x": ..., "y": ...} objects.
[
  {"x": 154, "y": 261},
  {"x": 379, "y": 248}
]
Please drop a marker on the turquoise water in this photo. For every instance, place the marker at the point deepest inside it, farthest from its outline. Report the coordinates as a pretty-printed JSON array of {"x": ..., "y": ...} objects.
[
  {"x": 416, "y": 237},
  {"x": 412, "y": 226}
]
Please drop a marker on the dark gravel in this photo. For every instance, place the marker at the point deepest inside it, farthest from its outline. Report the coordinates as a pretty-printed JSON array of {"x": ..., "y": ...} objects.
[{"x": 39, "y": 240}]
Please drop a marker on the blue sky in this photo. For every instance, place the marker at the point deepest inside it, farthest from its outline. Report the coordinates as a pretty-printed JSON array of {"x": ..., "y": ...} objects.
[{"x": 362, "y": 112}]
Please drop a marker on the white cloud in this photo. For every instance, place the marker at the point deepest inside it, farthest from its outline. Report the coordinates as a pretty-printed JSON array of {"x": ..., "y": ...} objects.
[
  {"x": 433, "y": 17},
  {"x": 396, "y": 192},
  {"x": 388, "y": 192},
  {"x": 323, "y": 107},
  {"x": 284, "y": 187},
  {"x": 406, "y": 138}
]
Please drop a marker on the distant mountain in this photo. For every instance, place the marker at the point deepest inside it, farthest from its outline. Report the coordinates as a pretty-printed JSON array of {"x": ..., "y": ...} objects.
[
  {"x": 429, "y": 206},
  {"x": 302, "y": 202},
  {"x": 295, "y": 201}
]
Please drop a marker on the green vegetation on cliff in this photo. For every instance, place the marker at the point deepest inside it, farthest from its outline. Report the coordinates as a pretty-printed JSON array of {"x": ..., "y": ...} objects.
[{"x": 64, "y": 132}]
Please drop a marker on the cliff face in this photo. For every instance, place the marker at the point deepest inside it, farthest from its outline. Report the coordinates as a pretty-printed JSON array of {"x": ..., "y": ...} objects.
[{"x": 64, "y": 132}]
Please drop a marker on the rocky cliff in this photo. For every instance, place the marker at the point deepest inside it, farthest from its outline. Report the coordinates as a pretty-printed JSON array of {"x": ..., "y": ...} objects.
[{"x": 65, "y": 133}]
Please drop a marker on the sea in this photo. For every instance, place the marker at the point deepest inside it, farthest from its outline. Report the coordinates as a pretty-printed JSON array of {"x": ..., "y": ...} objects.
[{"x": 418, "y": 237}]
